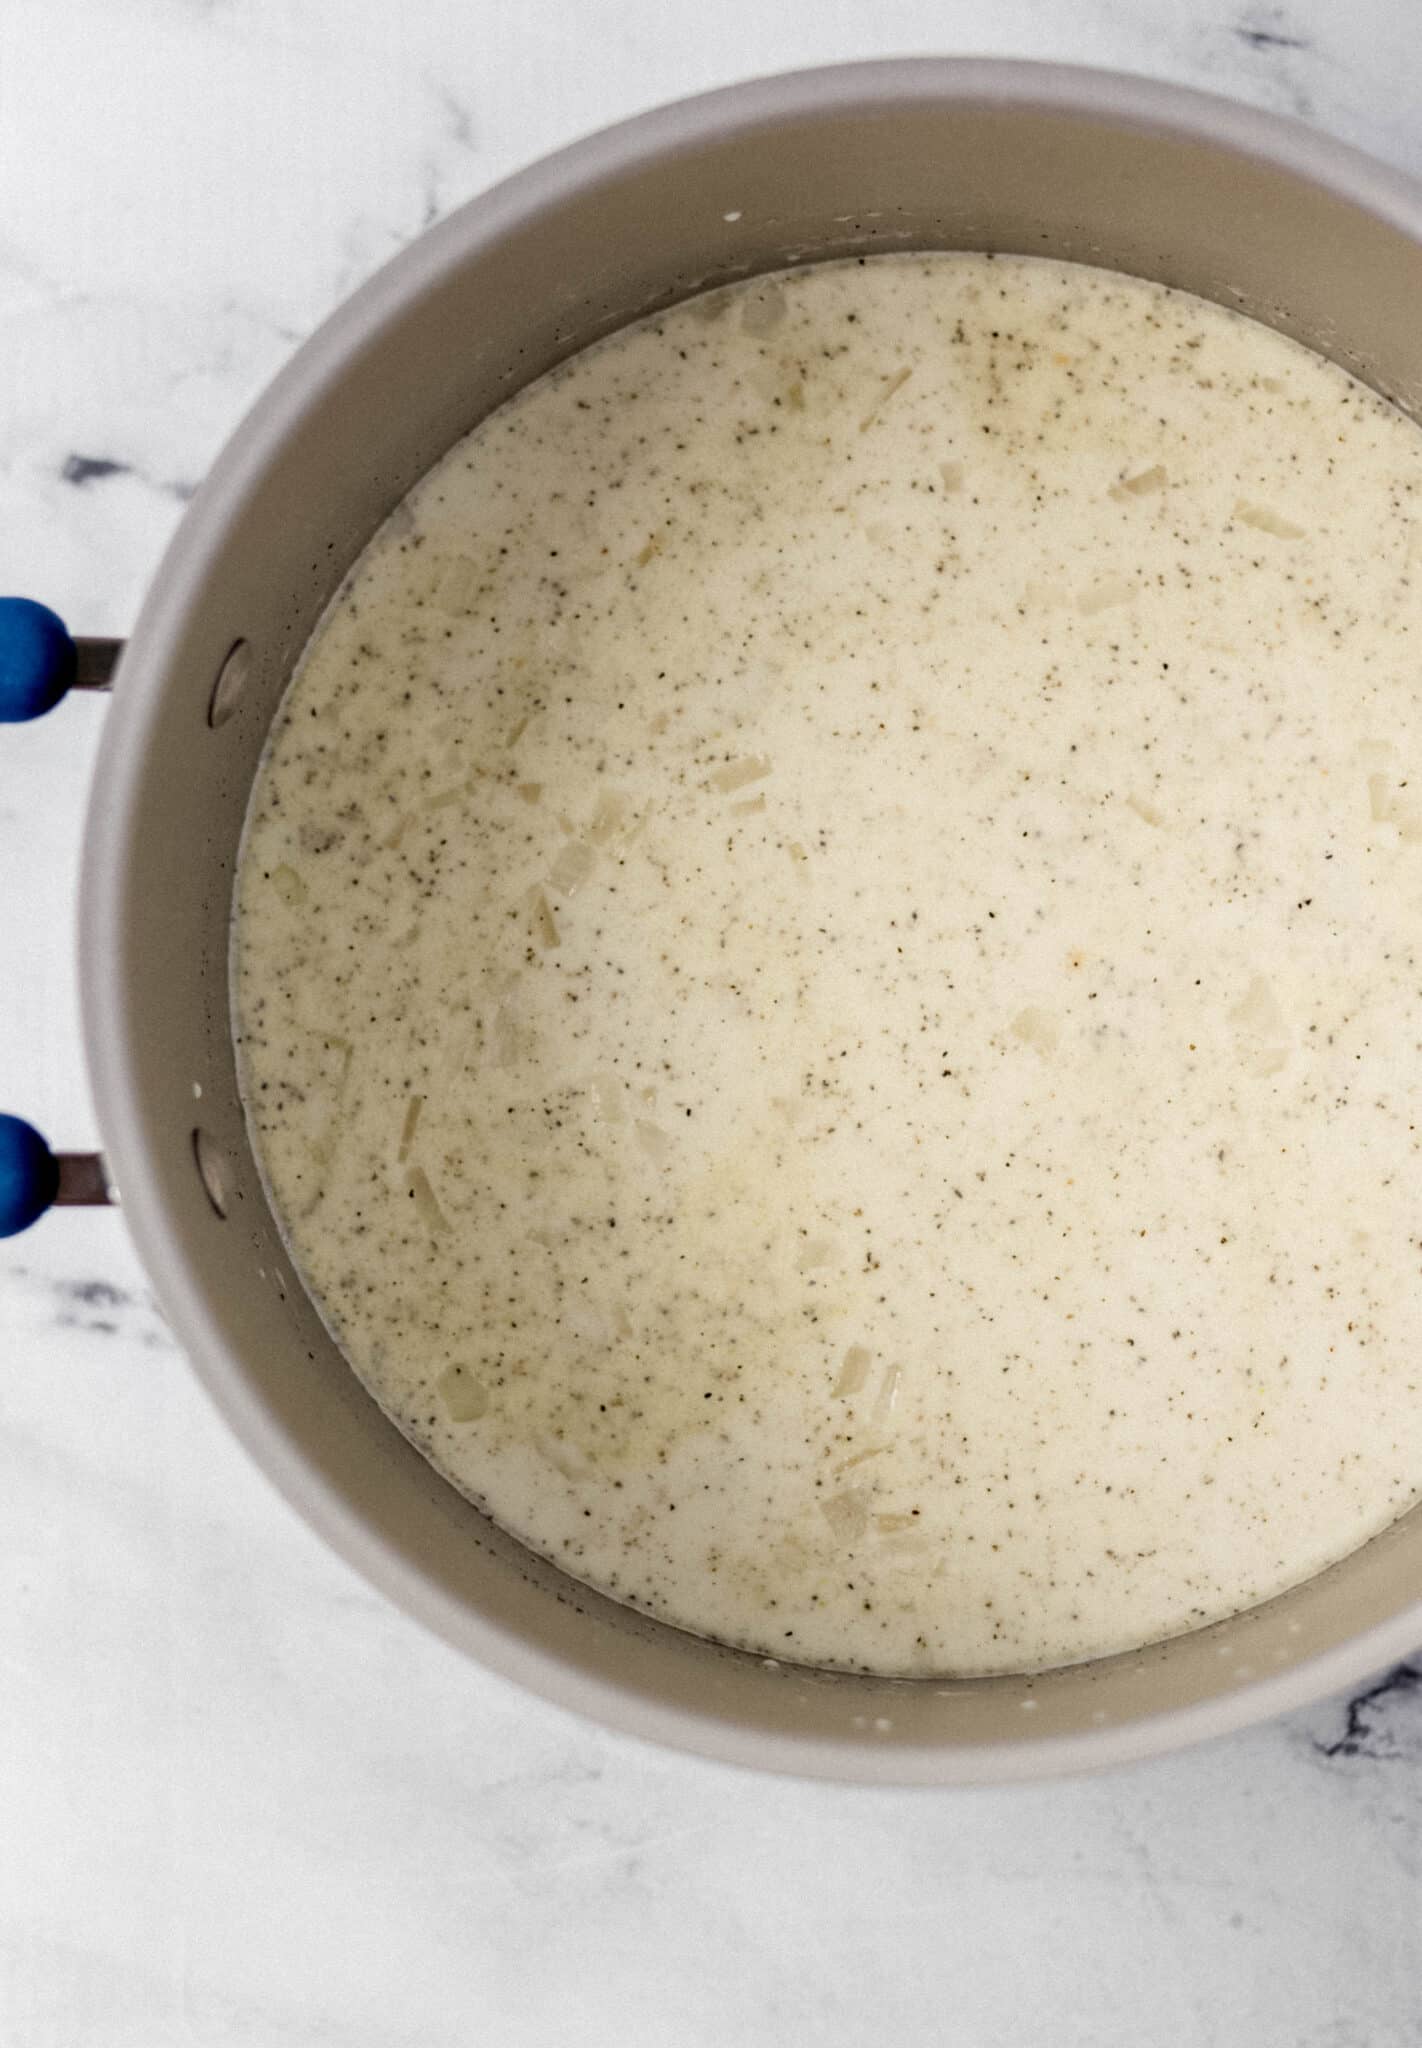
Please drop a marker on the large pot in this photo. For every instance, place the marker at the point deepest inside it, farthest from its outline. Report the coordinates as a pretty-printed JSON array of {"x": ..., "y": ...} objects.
[{"x": 1243, "y": 208}]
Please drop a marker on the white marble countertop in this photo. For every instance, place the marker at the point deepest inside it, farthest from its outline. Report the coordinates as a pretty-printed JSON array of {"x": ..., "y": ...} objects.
[{"x": 242, "y": 1801}]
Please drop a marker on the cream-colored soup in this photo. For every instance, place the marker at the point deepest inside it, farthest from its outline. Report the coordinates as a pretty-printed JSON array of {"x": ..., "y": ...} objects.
[{"x": 829, "y": 964}]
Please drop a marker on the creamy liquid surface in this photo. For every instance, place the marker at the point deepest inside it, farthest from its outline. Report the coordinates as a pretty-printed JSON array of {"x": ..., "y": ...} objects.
[{"x": 827, "y": 964}]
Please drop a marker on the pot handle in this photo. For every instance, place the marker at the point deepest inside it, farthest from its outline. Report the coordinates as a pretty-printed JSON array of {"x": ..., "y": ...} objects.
[
  {"x": 39, "y": 662},
  {"x": 33, "y": 1179}
]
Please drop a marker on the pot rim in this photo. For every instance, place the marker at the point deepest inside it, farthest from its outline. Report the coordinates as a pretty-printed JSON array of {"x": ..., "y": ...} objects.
[{"x": 1123, "y": 99}]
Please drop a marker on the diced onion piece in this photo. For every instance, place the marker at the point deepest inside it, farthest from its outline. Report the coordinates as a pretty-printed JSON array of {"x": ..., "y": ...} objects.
[
  {"x": 861, "y": 1457},
  {"x": 463, "y": 1398},
  {"x": 571, "y": 869},
  {"x": 441, "y": 802},
  {"x": 765, "y": 310},
  {"x": 848, "y": 1513},
  {"x": 1259, "y": 1010},
  {"x": 1141, "y": 484},
  {"x": 322, "y": 1107},
  {"x": 1391, "y": 803},
  {"x": 1266, "y": 1060},
  {"x": 816, "y": 1252},
  {"x": 289, "y": 886},
  {"x": 607, "y": 1093},
  {"x": 853, "y": 1371},
  {"x": 1145, "y": 810},
  {"x": 610, "y": 818},
  {"x": 509, "y": 1040},
  {"x": 1267, "y": 520},
  {"x": 888, "y": 1396},
  {"x": 408, "y": 1128},
  {"x": 545, "y": 924},
  {"x": 1263, "y": 1046},
  {"x": 736, "y": 774},
  {"x": 891, "y": 385},
  {"x": 565, "y": 1457},
  {"x": 653, "y": 1141},
  {"x": 1037, "y": 1028},
  {"x": 427, "y": 1206},
  {"x": 1103, "y": 595}
]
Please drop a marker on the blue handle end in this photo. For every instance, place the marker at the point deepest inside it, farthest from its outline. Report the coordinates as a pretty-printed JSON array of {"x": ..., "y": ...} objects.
[
  {"x": 29, "y": 1175},
  {"x": 37, "y": 659}
]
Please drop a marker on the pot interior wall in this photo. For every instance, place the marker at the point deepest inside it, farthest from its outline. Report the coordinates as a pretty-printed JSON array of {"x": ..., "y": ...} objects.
[{"x": 488, "y": 301}]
